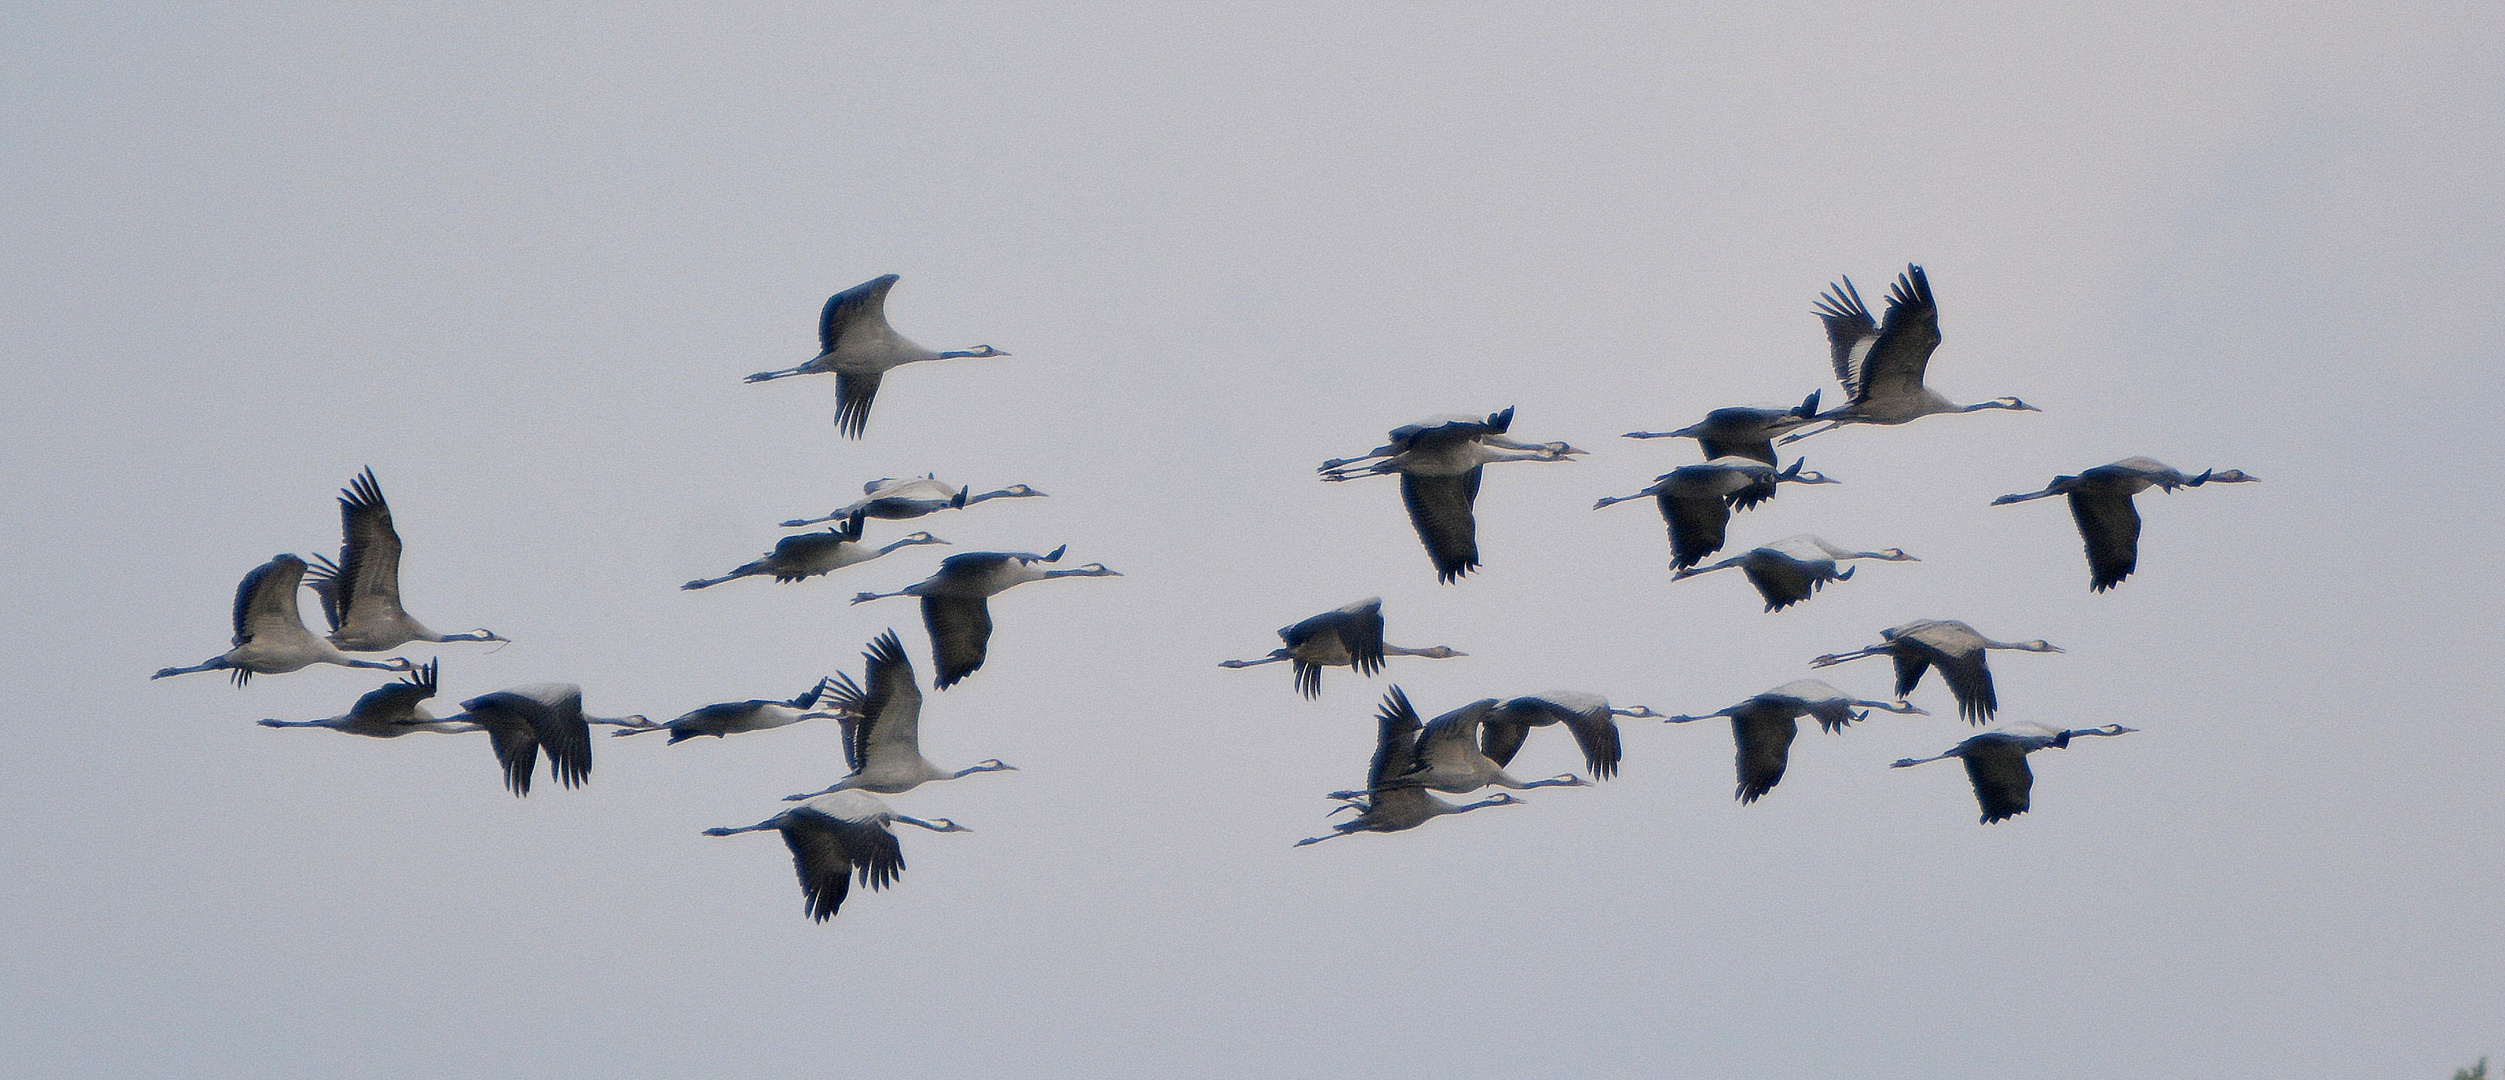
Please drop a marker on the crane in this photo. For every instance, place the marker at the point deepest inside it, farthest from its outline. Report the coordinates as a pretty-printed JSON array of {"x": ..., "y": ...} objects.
[
  {"x": 836, "y": 835},
  {"x": 270, "y": 638},
  {"x": 1787, "y": 571},
  {"x": 1389, "y": 806},
  {"x": 360, "y": 593},
  {"x": 734, "y": 717},
  {"x": 1951, "y": 646},
  {"x": 389, "y": 711},
  {"x": 883, "y": 728},
  {"x": 1765, "y": 725},
  {"x": 890, "y": 499},
  {"x": 855, "y": 342},
  {"x": 956, "y": 607},
  {"x": 2100, "y": 501},
  {"x": 1446, "y": 757},
  {"x": 1996, "y": 763},
  {"x": 1882, "y": 365},
  {"x": 806, "y": 555},
  {"x": 1745, "y": 431},
  {"x": 1347, "y": 636},
  {"x": 1439, "y": 462},
  {"x": 1590, "y": 717},
  {"x": 1697, "y": 500}
]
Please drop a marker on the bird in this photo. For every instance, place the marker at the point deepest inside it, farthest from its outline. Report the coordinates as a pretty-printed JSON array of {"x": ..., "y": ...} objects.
[
  {"x": 1697, "y": 500},
  {"x": 1388, "y": 806},
  {"x": 835, "y": 835},
  {"x": 882, "y": 728},
  {"x": 2100, "y": 501},
  {"x": 1347, "y": 636},
  {"x": 360, "y": 593},
  {"x": 806, "y": 555},
  {"x": 855, "y": 342},
  {"x": 1745, "y": 431},
  {"x": 1881, "y": 365},
  {"x": 733, "y": 717},
  {"x": 526, "y": 721},
  {"x": 1996, "y": 762},
  {"x": 270, "y": 638},
  {"x": 890, "y": 499},
  {"x": 1787, "y": 571},
  {"x": 955, "y": 601},
  {"x": 389, "y": 711},
  {"x": 1439, "y": 462},
  {"x": 1764, "y": 726},
  {"x": 1590, "y": 717},
  {"x": 1445, "y": 756},
  {"x": 1953, "y": 647}
]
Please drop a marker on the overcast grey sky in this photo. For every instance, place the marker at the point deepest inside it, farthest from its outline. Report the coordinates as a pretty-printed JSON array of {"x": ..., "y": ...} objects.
[{"x": 519, "y": 261}]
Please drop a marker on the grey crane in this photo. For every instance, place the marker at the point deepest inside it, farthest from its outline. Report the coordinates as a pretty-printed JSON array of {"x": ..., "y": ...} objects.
[
  {"x": 1389, "y": 806},
  {"x": 956, "y": 606},
  {"x": 1347, "y": 636},
  {"x": 2100, "y": 501},
  {"x": 806, "y": 555},
  {"x": 270, "y": 638},
  {"x": 1882, "y": 365},
  {"x": 1590, "y": 717},
  {"x": 1439, "y": 462},
  {"x": 1446, "y": 756},
  {"x": 1951, "y": 646},
  {"x": 1745, "y": 431},
  {"x": 728, "y": 718},
  {"x": 361, "y": 592},
  {"x": 855, "y": 342},
  {"x": 1765, "y": 725},
  {"x": 526, "y": 721},
  {"x": 1996, "y": 762},
  {"x": 1697, "y": 500},
  {"x": 890, "y": 499},
  {"x": 1788, "y": 571},
  {"x": 883, "y": 728},
  {"x": 836, "y": 835},
  {"x": 389, "y": 711}
]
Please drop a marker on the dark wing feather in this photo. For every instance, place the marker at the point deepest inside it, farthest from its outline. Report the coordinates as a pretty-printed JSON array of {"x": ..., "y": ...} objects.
[
  {"x": 1440, "y": 509},
  {"x": 1395, "y": 739},
  {"x": 1849, "y": 332},
  {"x": 369, "y": 553},
  {"x": 563, "y": 732},
  {"x": 1361, "y": 633},
  {"x": 1896, "y": 361},
  {"x": 1308, "y": 676},
  {"x": 961, "y": 632},
  {"x": 1765, "y": 748},
  {"x": 397, "y": 699},
  {"x": 820, "y": 858},
  {"x": 1760, "y": 450},
  {"x": 853, "y": 391},
  {"x": 1911, "y": 662},
  {"x": 268, "y": 593},
  {"x": 851, "y": 307},
  {"x": 2110, "y": 526},
  {"x": 518, "y": 751},
  {"x": 1597, "y": 734},
  {"x": 1970, "y": 679},
  {"x": 2002, "y": 782},
  {"x": 891, "y": 712},
  {"x": 1698, "y": 526},
  {"x": 1500, "y": 741},
  {"x": 1782, "y": 586}
]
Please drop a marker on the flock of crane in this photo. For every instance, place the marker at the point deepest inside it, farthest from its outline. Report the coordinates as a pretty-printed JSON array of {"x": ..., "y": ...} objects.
[{"x": 844, "y": 831}]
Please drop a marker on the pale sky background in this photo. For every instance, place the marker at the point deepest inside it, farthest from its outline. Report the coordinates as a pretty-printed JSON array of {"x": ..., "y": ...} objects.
[{"x": 519, "y": 263}]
